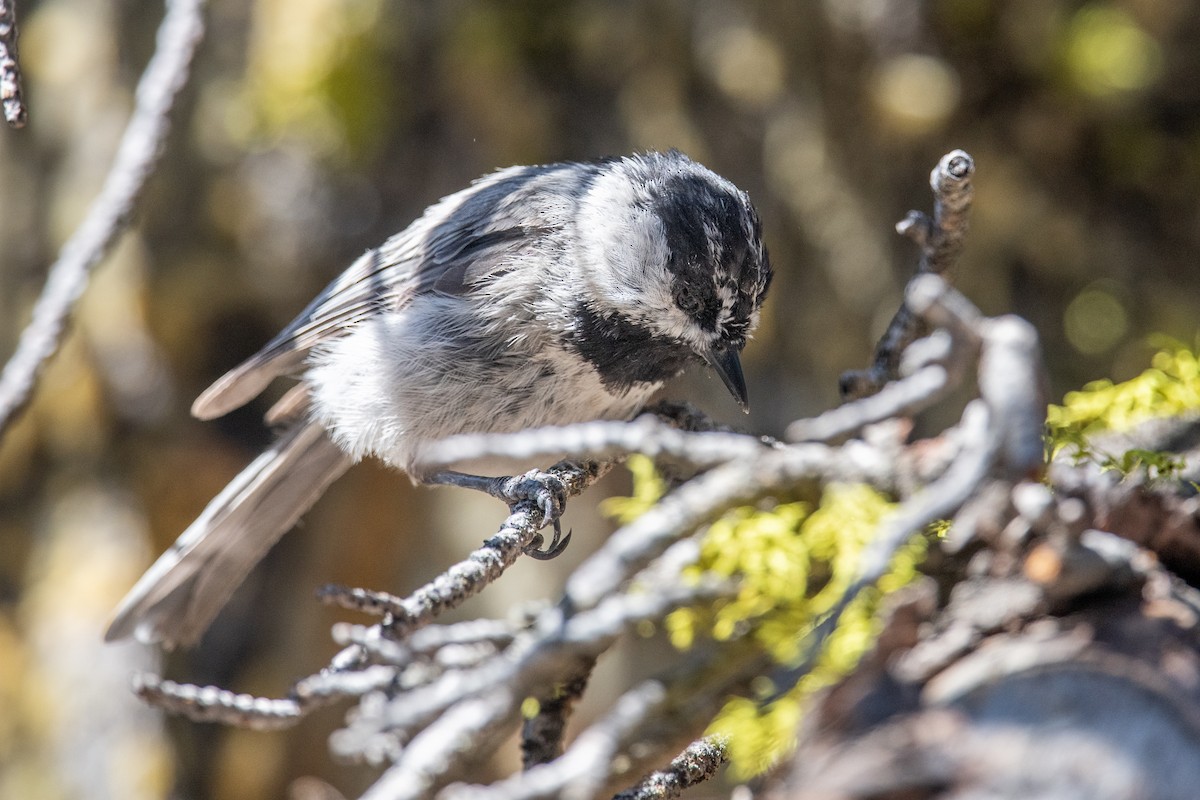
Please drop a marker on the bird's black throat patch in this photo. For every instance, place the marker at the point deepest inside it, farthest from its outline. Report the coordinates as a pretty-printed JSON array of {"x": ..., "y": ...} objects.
[{"x": 623, "y": 352}]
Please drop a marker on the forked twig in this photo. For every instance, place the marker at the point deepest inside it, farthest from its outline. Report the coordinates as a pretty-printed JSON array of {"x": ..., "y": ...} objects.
[{"x": 941, "y": 239}]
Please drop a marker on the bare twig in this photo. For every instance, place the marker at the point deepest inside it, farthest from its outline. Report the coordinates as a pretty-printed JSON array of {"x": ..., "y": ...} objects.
[
  {"x": 364, "y": 601},
  {"x": 402, "y": 616},
  {"x": 944, "y": 236},
  {"x": 932, "y": 367},
  {"x": 939, "y": 500},
  {"x": 901, "y": 398},
  {"x": 13, "y": 104},
  {"x": 469, "y": 577},
  {"x": 538, "y": 658},
  {"x": 427, "y": 640},
  {"x": 212, "y": 704},
  {"x": 699, "y": 762},
  {"x": 542, "y": 734},
  {"x": 1003, "y": 427},
  {"x": 1010, "y": 382},
  {"x": 708, "y": 495},
  {"x": 479, "y": 711},
  {"x": 647, "y": 434},
  {"x": 141, "y": 145},
  {"x": 940, "y": 239},
  {"x": 582, "y": 770}
]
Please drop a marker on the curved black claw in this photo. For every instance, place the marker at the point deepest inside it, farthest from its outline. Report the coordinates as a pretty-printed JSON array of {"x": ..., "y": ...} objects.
[
  {"x": 550, "y": 494},
  {"x": 556, "y": 547}
]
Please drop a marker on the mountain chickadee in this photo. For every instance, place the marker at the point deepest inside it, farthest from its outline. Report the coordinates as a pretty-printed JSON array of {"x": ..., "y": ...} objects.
[{"x": 540, "y": 295}]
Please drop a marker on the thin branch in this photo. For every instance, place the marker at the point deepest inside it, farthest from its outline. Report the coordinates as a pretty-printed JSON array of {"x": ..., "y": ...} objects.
[
  {"x": 478, "y": 714},
  {"x": 536, "y": 659},
  {"x": 364, "y": 601},
  {"x": 582, "y": 770},
  {"x": 457, "y": 584},
  {"x": 941, "y": 240},
  {"x": 403, "y": 616},
  {"x": 700, "y": 686},
  {"x": 699, "y": 762},
  {"x": 470, "y": 576},
  {"x": 141, "y": 145},
  {"x": 643, "y": 723},
  {"x": 703, "y": 498},
  {"x": 932, "y": 367},
  {"x": 425, "y": 641},
  {"x": 213, "y": 704},
  {"x": 543, "y": 734},
  {"x": 904, "y": 397},
  {"x": 11, "y": 100},
  {"x": 1003, "y": 426},
  {"x": 1011, "y": 383},
  {"x": 435, "y": 757},
  {"x": 647, "y": 434},
  {"x": 953, "y": 192}
]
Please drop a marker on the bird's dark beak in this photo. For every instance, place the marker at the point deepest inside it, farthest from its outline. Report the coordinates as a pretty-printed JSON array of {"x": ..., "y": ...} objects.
[{"x": 727, "y": 364}]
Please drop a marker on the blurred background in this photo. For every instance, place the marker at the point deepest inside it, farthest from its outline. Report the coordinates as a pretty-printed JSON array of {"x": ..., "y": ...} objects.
[{"x": 313, "y": 129}]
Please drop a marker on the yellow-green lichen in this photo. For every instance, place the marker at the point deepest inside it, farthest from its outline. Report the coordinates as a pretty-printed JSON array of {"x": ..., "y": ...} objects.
[
  {"x": 793, "y": 563},
  {"x": 1170, "y": 388},
  {"x": 648, "y": 488},
  {"x": 831, "y": 540}
]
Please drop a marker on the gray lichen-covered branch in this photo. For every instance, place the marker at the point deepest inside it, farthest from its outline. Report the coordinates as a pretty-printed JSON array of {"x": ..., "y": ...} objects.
[
  {"x": 941, "y": 240},
  {"x": 12, "y": 100}
]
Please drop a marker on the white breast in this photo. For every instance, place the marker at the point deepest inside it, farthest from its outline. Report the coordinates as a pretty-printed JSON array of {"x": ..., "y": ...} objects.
[{"x": 402, "y": 380}]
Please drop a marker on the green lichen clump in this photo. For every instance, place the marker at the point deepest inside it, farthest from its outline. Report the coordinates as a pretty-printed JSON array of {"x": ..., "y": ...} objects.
[
  {"x": 648, "y": 488},
  {"x": 1170, "y": 388},
  {"x": 793, "y": 563}
]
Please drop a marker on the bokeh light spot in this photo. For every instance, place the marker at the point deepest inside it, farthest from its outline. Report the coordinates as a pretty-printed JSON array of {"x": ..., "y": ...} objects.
[
  {"x": 915, "y": 93},
  {"x": 1108, "y": 53},
  {"x": 747, "y": 65},
  {"x": 1095, "y": 321}
]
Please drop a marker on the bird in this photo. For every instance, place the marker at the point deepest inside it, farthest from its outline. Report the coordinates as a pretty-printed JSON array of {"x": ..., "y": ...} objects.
[{"x": 538, "y": 295}]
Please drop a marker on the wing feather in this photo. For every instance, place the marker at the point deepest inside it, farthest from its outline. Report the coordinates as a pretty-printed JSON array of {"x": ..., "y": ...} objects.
[{"x": 458, "y": 243}]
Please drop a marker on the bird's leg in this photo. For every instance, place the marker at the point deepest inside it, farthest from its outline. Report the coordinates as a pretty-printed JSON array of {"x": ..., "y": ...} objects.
[{"x": 543, "y": 488}]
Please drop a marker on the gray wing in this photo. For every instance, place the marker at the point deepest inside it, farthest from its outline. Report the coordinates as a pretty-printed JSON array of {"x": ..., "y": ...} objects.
[{"x": 456, "y": 244}]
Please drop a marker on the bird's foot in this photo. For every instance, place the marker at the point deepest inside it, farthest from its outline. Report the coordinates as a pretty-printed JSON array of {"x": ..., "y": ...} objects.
[
  {"x": 544, "y": 489},
  {"x": 550, "y": 494}
]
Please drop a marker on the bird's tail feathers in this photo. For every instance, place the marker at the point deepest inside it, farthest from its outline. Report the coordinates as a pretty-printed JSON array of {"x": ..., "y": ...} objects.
[{"x": 178, "y": 597}]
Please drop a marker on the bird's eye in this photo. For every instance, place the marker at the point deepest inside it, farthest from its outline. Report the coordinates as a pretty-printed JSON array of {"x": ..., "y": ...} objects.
[
  {"x": 749, "y": 278},
  {"x": 689, "y": 301}
]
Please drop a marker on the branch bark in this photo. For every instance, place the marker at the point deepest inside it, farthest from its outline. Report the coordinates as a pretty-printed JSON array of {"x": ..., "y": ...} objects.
[
  {"x": 11, "y": 100},
  {"x": 941, "y": 239}
]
